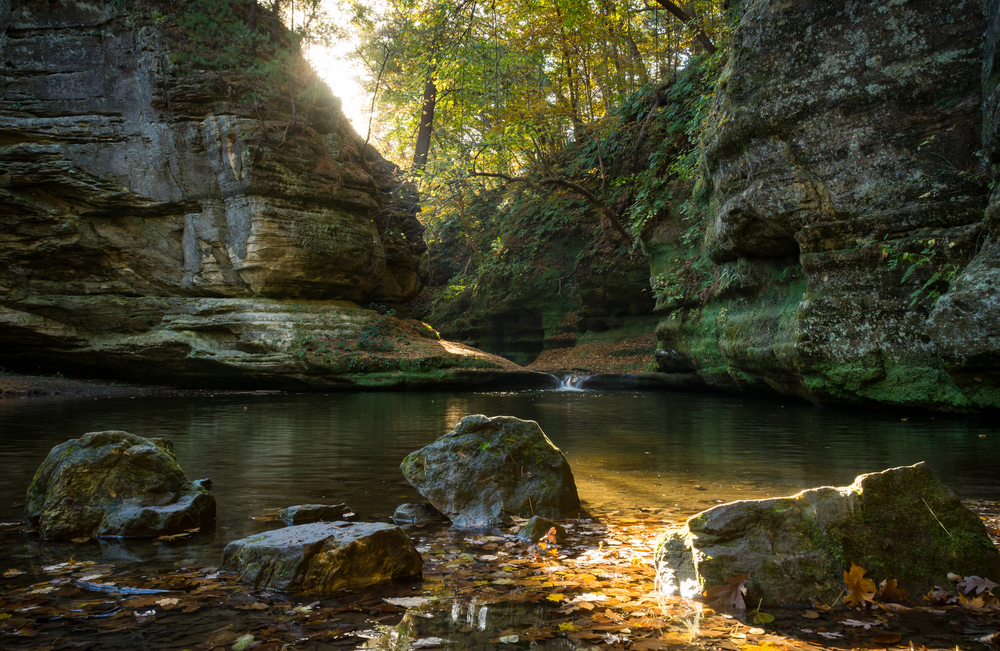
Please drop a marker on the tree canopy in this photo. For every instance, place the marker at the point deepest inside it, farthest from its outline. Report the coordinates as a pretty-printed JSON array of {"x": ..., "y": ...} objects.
[{"x": 502, "y": 86}]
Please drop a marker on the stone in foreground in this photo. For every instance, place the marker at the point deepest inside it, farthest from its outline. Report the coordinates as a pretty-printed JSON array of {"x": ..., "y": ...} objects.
[
  {"x": 416, "y": 514},
  {"x": 308, "y": 513},
  {"x": 537, "y": 528},
  {"x": 900, "y": 524},
  {"x": 324, "y": 557},
  {"x": 115, "y": 484},
  {"x": 488, "y": 469}
]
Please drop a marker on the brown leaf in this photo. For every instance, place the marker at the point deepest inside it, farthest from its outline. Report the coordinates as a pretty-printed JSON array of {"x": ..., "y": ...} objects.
[
  {"x": 859, "y": 589},
  {"x": 887, "y": 638},
  {"x": 731, "y": 594},
  {"x": 976, "y": 583},
  {"x": 889, "y": 591}
]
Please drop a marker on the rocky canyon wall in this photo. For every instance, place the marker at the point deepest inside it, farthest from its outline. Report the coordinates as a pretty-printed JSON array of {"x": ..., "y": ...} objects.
[
  {"x": 154, "y": 228},
  {"x": 843, "y": 190}
]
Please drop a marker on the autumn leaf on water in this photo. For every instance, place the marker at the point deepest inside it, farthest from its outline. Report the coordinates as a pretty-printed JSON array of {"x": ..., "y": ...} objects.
[
  {"x": 976, "y": 583},
  {"x": 889, "y": 591},
  {"x": 859, "y": 589},
  {"x": 731, "y": 594}
]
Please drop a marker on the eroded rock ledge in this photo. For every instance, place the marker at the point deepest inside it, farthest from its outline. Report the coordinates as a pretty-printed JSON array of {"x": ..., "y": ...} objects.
[{"x": 147, "y": 234}]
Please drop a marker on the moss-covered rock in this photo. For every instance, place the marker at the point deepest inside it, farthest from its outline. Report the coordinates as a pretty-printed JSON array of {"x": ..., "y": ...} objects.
[
  {"x": 115, "y": 484},
  {"x": 900, "y": 524},
  {"x": 842, "y": 199},
  {"x": 324, "y": 557},
  {"x": 489, "y": 469}
]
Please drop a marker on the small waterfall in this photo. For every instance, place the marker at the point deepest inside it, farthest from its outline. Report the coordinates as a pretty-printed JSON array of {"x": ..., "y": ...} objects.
[{"x": 571, "y": 382}]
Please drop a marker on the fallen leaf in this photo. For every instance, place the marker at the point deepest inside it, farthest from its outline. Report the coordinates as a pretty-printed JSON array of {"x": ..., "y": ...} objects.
[
  {"x": 729, "y": 595},
  {"x": 859, "y": 589},
  {"x": 889, "y": 591},
  {"x": 510, "y": 639},
  {"x": 10, "y": 573},
  {"x": 811, "y": 614},
  {"x": 976, "y": 583},
  {"x": 887, "y": 638}
]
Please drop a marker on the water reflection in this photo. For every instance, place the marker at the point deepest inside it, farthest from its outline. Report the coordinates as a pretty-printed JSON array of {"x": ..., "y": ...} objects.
[{"x": 673, "y": 452}]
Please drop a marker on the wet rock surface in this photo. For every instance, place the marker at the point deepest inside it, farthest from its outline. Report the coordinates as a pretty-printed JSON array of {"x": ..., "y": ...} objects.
[
  {"x": 900, "y": 524},
  {"x": 308, "y": 513},
  {"x": 324, "y": 557},
  {"x": 489, "y": 469},
  {"x": 112, "y": 483},
  {"x": 416, "y": 514},
  {"x": 538, "y": 527}
]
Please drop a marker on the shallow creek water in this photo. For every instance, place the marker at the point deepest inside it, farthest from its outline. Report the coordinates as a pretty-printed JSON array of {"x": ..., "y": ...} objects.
[{"x": 669, "y": 454}]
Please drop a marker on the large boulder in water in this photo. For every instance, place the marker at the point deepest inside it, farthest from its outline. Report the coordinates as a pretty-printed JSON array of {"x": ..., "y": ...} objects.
[
  {"x": 113, "y": 483},
  {"x": 900, "y": 524},
  {"x": 488, "y": 469},
  {"x": 324, "y": 557}
]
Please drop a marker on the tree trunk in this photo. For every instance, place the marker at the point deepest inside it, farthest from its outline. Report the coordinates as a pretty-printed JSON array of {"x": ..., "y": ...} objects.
[
  {"x": 688, "y": 21},
  {"x": 423, "y": 145}
]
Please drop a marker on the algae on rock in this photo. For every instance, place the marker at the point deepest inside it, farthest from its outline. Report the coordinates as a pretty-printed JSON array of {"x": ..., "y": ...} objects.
[
  {"x": 900, "y": 524},
  {"x": 842, "y": 200},
  {"x": 115, "y": 484}
]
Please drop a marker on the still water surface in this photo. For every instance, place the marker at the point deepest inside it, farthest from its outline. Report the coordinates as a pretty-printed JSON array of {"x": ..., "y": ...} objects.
[{"x": 677, "y": 453}]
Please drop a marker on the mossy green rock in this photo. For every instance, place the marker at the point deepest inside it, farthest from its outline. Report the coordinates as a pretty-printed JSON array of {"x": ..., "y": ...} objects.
[
  {"x": 844, "y": 261},
  {"x": 110, "y": 484},
  {"x": 488, "y": 469},
  {"x": 324, "y": 557},
  {"x": 900, "y": 524}
]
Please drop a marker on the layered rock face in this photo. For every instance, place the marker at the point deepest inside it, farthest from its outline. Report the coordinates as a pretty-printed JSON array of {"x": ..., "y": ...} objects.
[
  {"x": 135, "y": 193},
  {"x": 844, "y": 193}
]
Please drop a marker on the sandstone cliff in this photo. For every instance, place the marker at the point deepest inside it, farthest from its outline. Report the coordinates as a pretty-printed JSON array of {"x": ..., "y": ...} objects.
[
  {"x": 843, "y": 198},
  {"x": 155, "y": 228}
]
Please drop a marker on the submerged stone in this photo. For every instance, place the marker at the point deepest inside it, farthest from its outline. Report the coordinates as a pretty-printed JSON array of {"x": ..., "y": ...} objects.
[
  {"x": 306, "y": 513},
  {"x": 113, "y": 483},
  {"x": 324, "y": 557},
  {"x": 416, "y": 514},
  {"x": 488, "y": 469},
  {"x": 900, "y": 524},
  {"x": 538, "y": 527}
]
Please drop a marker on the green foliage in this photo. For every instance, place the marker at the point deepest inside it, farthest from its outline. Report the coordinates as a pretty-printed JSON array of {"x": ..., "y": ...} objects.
[{"x": 934, "y": 256}]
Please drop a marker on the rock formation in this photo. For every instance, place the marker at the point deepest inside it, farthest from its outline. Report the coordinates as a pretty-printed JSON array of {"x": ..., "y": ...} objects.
[
  {"x": 115, "y": 484},
  {"x": 324, "y": 557},
  {"x": 898, "y": 524},
  {"x": 489, "y": 469},
  {"x": 844, "y": 194},
  {"x": 157, "y": 229}
]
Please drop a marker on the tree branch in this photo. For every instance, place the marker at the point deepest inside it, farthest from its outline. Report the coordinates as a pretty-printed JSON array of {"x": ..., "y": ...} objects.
[
  {"x": 569, "y": 185},
  {"x": 690, "y": 23}
]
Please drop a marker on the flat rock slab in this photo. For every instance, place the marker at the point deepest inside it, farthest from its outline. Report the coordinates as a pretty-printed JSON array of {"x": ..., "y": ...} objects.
[
  {"x": 115, "y": 484},
  {"x": 488, "y": 469},
  {"x": 900, "y": 524},
  {"x": 324, "y": 557},
  {"x": 307, "y": 513}
]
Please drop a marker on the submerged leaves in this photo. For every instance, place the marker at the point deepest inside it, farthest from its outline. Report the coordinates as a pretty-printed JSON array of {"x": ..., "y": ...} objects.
[{"x": 731, "y": 594}]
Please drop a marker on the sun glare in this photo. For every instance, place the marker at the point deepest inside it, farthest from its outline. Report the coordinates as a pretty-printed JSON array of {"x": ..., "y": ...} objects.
[{"x": 340, "y": 73}]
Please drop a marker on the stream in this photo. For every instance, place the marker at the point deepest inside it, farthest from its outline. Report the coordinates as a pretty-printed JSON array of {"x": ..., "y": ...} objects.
[{"x": 668, "y": 453}]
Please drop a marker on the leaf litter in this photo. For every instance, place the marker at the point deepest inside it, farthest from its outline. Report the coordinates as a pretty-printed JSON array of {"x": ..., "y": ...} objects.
[{"x": 480, "y": 591}]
